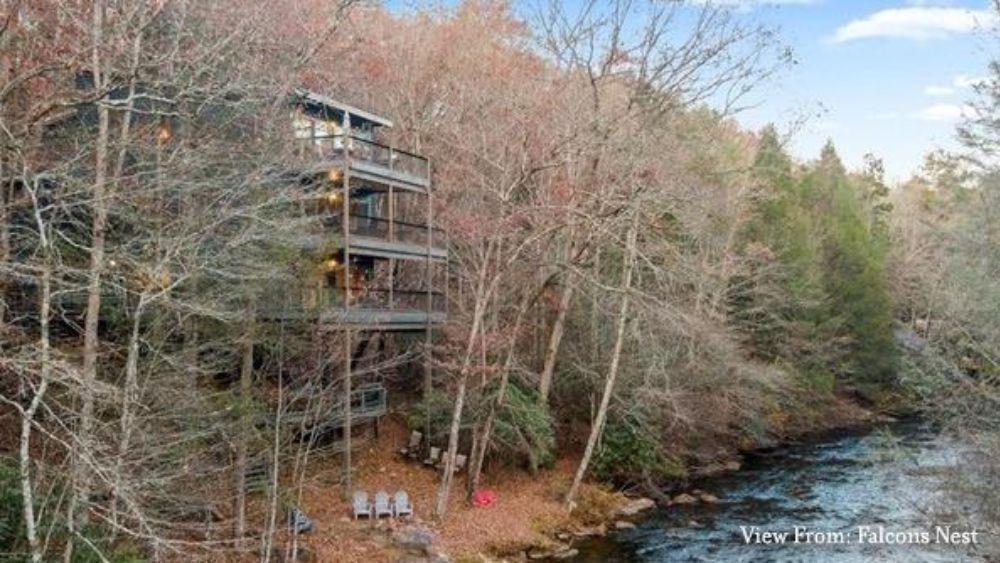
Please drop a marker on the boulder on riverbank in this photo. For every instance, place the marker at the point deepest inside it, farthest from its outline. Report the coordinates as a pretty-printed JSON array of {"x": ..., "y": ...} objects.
[
  {"x": 415, "y": 539},
  {"x": 557, "y": 552},
  {"x": 708, "y": 498},
  {"x": 713, "y": 469},
  {"x": 591, "y": 531},
  {"x": 635, "y": 506},
  {"x": 684, "y": 499}
]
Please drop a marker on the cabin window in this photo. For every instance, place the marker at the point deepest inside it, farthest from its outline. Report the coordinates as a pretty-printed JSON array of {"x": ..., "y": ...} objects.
[
  {"x": 360, "y": 274},
  {"x": 365, "y": 131},
  {"x": 363, "y": 205},
  {"x": 306, "y": 127},
  {"x": 302, "y": 125}
]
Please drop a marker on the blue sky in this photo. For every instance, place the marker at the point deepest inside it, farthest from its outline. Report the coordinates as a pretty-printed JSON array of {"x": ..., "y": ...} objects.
[{"x": 886, "y": 77}]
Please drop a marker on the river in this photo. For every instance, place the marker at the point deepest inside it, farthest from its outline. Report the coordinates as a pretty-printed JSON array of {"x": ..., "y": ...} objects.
[{"x": 887, "y": 480}]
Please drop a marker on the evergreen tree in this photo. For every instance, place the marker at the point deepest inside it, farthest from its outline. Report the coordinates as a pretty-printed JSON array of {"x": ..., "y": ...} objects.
[
  {"x": 813, "y": 291},
  {"x": 854, "y": 274},
  {"x": 778, "y": 300}
]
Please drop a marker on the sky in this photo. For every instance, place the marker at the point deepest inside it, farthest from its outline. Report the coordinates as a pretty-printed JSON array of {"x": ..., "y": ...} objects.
[{"x": 887, "y": 77}]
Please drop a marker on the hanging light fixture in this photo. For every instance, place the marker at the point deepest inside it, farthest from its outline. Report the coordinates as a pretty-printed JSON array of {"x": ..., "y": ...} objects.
[
  {"x": 331, "y": 264},
  {"x": 334, "y": 175},
  {"x": 164, "y": 131}
]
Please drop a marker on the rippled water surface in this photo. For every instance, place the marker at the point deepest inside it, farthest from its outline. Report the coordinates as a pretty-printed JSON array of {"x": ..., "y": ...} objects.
[{"x": 886, "y": 478}]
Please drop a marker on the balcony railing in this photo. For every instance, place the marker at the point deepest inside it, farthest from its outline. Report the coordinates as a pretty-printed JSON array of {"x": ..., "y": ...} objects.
[
  {"x": 396, "y": 161},
  {"x": 392, "y": 231},
  {"x": 383, "y": 299},
  {"x": 308, "y": 302},
  {"x": 367, "y": 401}
]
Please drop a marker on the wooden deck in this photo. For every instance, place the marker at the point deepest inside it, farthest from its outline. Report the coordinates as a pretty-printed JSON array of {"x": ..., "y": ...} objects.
[
  {"x": 369, "y": 246},
  {"x": 399, "y": 319},
  {"x": 363, "y": 318}
]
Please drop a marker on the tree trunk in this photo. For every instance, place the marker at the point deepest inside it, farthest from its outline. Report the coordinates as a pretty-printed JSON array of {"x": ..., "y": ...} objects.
[
  {"x": 81, "y": 477},
  {"x": 348, "y": 353},
  {"x": 555, "y": 339},
  {"x": 482, "y": 298},
  {"x": 27, "y": 417},
  {"x": 482, "y": 443},
  {"x": 130, "y": 394},
  {"x": 602, "y": 412},
  {"x": 444, "y": 490},
  {"x": 242, "y": 446},
  {"x": 276, "y": 456},
  {"x": 4, "y": 238},
  {"x": 130, "y": 397}
]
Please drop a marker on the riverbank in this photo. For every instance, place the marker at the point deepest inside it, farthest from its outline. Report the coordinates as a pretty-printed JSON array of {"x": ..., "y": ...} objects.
[
  {"x": 528, "y": 518},
  {"x": 527, "y": 514}
]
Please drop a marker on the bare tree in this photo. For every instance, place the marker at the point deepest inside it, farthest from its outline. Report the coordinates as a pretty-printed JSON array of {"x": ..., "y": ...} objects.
[{"x": 597, "y": 426}]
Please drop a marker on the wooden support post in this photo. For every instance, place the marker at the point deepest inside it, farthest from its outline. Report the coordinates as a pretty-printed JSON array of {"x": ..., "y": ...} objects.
[
  {"x": 428, "y": 337},
  {"x": 392, "y": 215},
  {"x": 346, "y": 214},
  {"x": 392, "y": 238},
  {"x": 347, "y": 414}
]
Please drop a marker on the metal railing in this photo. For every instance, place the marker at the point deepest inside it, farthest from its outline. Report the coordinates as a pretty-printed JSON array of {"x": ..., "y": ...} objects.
[
  {"x": 400, "y": 299},
  {"x": 293, "y": 300},
  {"x": 373, "y": 153},
  {"x": 379, "y": 298},
  {"x": 368, "y": 400},
  {"x": 392, "y": 231}
]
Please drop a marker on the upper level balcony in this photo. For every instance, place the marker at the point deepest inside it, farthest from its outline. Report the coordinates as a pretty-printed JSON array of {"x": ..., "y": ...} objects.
[
  {"x": 370, "y": 160},
  {"x": 384, "y": 238}
]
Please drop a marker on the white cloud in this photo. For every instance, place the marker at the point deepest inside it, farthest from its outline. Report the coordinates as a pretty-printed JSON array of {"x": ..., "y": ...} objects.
[
  {"x": 942, "y": 112},
  {"x": 939, "y": 91},
  {"x": 966, "y": 81},
  {"x": 959, "y": 82},
  {"x": 746, "y": 4},
  {"x": 916, "y": 22}
]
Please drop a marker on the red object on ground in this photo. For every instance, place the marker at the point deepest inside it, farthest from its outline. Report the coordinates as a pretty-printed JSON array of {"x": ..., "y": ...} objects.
[{"x": 484, "y": 498}]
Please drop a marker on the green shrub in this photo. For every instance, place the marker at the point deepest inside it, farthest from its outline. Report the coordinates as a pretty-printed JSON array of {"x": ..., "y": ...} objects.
[
  {"x": 11, "y": 515},
  {"x": 13, "y": 546},
  {"x": 525, "y": 426},
  {"x": 434, "y": 413},
  {"x": 626, "y": 453},
  {"x": 522, "y": 429}
]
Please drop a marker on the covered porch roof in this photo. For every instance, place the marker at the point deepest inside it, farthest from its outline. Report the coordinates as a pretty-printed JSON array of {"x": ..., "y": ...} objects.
[{"x": 335, "y": 110}]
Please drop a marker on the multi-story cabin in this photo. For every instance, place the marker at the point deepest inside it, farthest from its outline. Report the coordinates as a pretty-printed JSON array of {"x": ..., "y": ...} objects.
[
  {"x": 384, "y": 264},
  {"x": 387, "y": 260}
]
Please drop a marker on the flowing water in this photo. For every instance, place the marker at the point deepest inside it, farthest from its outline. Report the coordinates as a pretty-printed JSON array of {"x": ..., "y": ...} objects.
[{"x": 888, "y": 480}]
